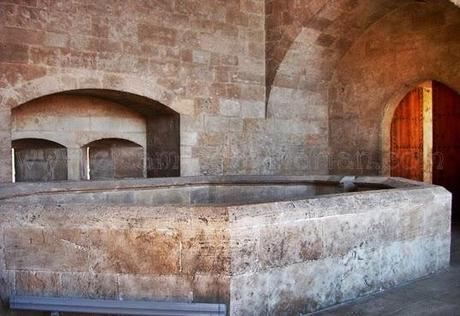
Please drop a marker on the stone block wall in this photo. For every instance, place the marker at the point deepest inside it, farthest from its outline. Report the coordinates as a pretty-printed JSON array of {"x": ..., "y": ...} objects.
[
  {"x": 262, "y": 87},
  {"x": 203, "y": 59},
  {"x": 335, "y": 65},
  {"x": 298, "y": 257},
  {"x": 110, "y": 252},
  {"x": 305, "y": 41}
]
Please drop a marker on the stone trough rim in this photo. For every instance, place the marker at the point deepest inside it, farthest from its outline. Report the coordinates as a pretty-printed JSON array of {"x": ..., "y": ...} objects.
[{"x": 15, "y": 191}]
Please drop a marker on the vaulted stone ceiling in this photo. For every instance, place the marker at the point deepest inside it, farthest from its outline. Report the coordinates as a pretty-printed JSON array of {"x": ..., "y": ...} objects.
[{"x": 339, "y": 23}]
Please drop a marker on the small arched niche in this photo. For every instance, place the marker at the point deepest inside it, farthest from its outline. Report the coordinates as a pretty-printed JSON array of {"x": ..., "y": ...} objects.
[
  {"x": 117, "y": 120},
  {"x": 113, "y": 158},
  {"x": 38, "y": 160}
]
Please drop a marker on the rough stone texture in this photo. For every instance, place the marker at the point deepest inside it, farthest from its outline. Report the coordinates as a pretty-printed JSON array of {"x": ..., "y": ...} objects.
[
  {"x": 436, "y": 295},
  {"x": 270, "y": 258},
  {"x": 332, "y": 26},
  {"x": 298, "y": 257},
  {"x": 188, "y": 55},
  {"x": 305, "y": 41},
  {"x": 118, "y": 253}
]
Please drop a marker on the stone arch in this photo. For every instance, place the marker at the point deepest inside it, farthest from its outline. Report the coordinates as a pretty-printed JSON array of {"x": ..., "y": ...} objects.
[
  {"x": 332, "y": 27},
  {"x": 123, "y": 139},
  {"x": 34, "y": 136},
  {"x": 80, "y": 79},
  {"x": 332, "y": 24},
  {"x": 57, "y": 143}
]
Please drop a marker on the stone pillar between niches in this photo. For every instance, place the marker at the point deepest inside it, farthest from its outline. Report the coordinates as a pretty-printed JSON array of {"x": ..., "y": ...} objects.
[
  {"x": 74, "y": 162},
  {"x": 5, "y": 144}
]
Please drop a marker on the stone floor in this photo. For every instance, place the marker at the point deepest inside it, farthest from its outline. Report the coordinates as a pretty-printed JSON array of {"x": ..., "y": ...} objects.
[{"x": 436, "y": 295}]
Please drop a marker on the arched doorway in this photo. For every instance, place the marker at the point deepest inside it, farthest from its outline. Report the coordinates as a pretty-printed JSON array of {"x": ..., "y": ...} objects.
[
  {"x": 425, "y": 138},
  {"x": 38, "y": 160}
]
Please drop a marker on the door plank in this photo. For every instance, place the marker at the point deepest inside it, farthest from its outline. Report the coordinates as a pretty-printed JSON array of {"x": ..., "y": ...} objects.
[{"x": 407, "y": 137}]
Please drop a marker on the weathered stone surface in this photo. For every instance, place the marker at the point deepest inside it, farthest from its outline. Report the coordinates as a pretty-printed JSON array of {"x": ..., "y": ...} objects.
[
  {"x": 290, "y": 244},
  {"x": 208, "y": 288},
  {"x": 361, "y": 251},
  {"x": 154, "y": 251},
  {"x": 76, "y": 122},
  {"x": 6, "y": 286},
  {"x": 93, "y": 285},
  {"x": 158, "y": 288},
  {"x": 60, "y": 250},
  {"x": 37, "y": 283},
  {"x": 284, "y": 256},
  {"x": 319, "y": 61},
  {"x": 205, "y": 251}
]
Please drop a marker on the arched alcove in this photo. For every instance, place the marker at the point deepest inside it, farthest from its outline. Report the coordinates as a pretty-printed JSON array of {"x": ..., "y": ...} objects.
[
  {"x": 113, "y": 158},
  {"x": 38, "y": 160},
  {"x": 76, "y": 118}
]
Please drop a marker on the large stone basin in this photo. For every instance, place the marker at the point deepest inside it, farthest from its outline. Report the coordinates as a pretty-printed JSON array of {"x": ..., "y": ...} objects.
[{"x": 262, "y": 245}]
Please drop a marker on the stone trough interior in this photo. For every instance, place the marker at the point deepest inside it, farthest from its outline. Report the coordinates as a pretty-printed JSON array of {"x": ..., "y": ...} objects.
[
  {"x": 261, "y": 245},
  {"x": 185, "y": 192}
]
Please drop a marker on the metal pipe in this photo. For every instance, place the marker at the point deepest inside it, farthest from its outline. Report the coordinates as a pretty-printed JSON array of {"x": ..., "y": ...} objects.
[{"x": 97, "y": 306}]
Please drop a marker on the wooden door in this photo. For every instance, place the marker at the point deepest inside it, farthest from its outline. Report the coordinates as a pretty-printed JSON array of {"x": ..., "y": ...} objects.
[
  {"x": 446, "y": 141},
  {"x": 407, "y": 137}
]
